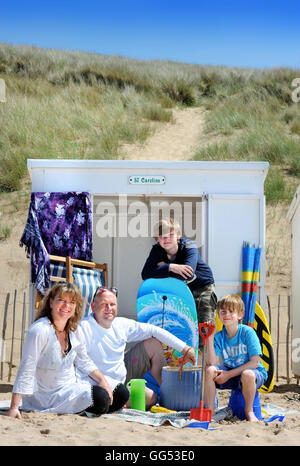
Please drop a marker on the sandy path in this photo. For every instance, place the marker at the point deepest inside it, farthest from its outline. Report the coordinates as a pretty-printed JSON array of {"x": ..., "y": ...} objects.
[{"x": 172, "y": 141}]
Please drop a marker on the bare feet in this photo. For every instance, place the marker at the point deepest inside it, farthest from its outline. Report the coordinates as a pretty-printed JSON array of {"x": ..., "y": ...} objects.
[{"x": 250, "y": 416}]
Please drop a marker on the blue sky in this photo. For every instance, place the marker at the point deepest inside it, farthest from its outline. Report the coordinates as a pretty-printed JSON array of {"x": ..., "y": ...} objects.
[{"x": 234, "y": 33}]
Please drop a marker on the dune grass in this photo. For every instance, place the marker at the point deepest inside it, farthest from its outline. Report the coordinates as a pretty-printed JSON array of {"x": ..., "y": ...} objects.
[
  {"x": 64, "y": 104},
  {"x": 77, "y": 121},
  {"x": 5, "y": 231},
  {"x": 258, "y": 121}
]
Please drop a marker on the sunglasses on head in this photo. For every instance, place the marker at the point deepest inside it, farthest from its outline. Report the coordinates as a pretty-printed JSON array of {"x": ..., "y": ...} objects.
[{"x": 102, "y": 289}]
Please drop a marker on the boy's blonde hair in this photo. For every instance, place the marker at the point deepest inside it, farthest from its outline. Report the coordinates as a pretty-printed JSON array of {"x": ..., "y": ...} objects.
[
  {"x": 232, "y": 302},
  {"x": 166, "y": 226}
]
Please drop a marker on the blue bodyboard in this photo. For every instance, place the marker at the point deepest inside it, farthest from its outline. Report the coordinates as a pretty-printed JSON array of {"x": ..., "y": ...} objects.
[{"x": 169, "y": 303}]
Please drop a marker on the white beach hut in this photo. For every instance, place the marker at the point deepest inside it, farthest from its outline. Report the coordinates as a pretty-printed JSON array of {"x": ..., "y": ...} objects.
[
  {"x": 219, "y": 205},
  {"x": 293, "y": 216}
]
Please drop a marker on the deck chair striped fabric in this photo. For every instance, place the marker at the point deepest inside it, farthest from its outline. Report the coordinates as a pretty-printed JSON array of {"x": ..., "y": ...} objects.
[
  {"x": 87, "y": 281},
  {"x": 58, "y": 271}
]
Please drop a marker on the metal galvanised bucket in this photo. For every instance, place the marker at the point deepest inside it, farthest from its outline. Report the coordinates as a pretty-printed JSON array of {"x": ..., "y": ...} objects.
[{"x": 184, "y": 394}]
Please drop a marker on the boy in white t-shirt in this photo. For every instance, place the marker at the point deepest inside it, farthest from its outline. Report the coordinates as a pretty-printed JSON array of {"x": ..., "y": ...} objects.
[{"x": 240, "y": 349}]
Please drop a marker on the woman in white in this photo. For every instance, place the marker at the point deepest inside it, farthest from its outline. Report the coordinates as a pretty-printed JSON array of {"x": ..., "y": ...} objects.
[{"x": 46, "y": 379}]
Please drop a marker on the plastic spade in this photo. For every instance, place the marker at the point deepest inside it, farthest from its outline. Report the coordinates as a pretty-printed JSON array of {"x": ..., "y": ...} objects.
[{"x": 201, "y": 414}]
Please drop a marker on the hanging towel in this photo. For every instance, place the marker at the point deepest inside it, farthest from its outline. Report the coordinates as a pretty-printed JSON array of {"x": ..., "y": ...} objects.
[{"x": 58, "y": 224}]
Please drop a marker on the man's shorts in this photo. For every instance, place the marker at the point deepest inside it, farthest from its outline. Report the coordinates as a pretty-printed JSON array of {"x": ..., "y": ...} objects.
[
  {"x": 137, "y": 362},
  {"x": 235, "y": 382}
]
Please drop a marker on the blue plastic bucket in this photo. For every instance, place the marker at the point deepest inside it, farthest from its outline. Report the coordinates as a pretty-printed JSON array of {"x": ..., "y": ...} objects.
[
  {"x": 184, "y": 394},
  {"x": 237, "y": 404}
]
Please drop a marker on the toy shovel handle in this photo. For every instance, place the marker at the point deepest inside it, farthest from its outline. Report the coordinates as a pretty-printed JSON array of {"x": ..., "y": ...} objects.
[{"x": 210, "y": 326}]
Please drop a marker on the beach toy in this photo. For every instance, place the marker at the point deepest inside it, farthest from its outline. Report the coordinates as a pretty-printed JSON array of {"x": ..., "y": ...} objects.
[
  {"x": 237, "y": 404},
  {"x": 161, "y": 409},
  {"x": 201, "y": 425},
  {"x": 201, "y": 413},
  {"x": 137, "y": 394}
]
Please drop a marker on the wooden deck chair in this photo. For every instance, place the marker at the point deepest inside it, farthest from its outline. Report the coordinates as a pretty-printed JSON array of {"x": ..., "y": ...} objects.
[{"x": 85, "y": 274}]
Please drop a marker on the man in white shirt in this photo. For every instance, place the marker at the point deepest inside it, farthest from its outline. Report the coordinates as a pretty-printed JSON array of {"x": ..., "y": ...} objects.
[{"x": 106, "y": 337}]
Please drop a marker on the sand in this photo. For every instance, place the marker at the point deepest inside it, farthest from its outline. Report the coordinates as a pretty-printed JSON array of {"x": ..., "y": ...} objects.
[
  {"x": 170, "y": 141},
  {"x": 73, "y": 430}
]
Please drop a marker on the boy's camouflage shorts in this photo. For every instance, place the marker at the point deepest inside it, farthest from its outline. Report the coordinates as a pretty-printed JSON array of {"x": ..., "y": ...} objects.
[{"x": 206, "y": 304}]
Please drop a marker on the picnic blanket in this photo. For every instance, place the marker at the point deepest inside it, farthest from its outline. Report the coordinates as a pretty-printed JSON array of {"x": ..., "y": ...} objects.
[
  {"x": 181, "y": 418},
  {"x": 176, "y": 419}
]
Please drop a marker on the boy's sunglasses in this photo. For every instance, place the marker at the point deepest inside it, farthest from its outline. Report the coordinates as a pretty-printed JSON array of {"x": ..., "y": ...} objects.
[{"x": 102, "y": 289}]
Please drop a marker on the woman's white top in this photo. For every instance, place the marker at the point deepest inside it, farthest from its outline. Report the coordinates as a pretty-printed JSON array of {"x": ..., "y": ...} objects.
[
  {"x": 106, "y": 346},
  {"x": 47, "y": 379}
]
